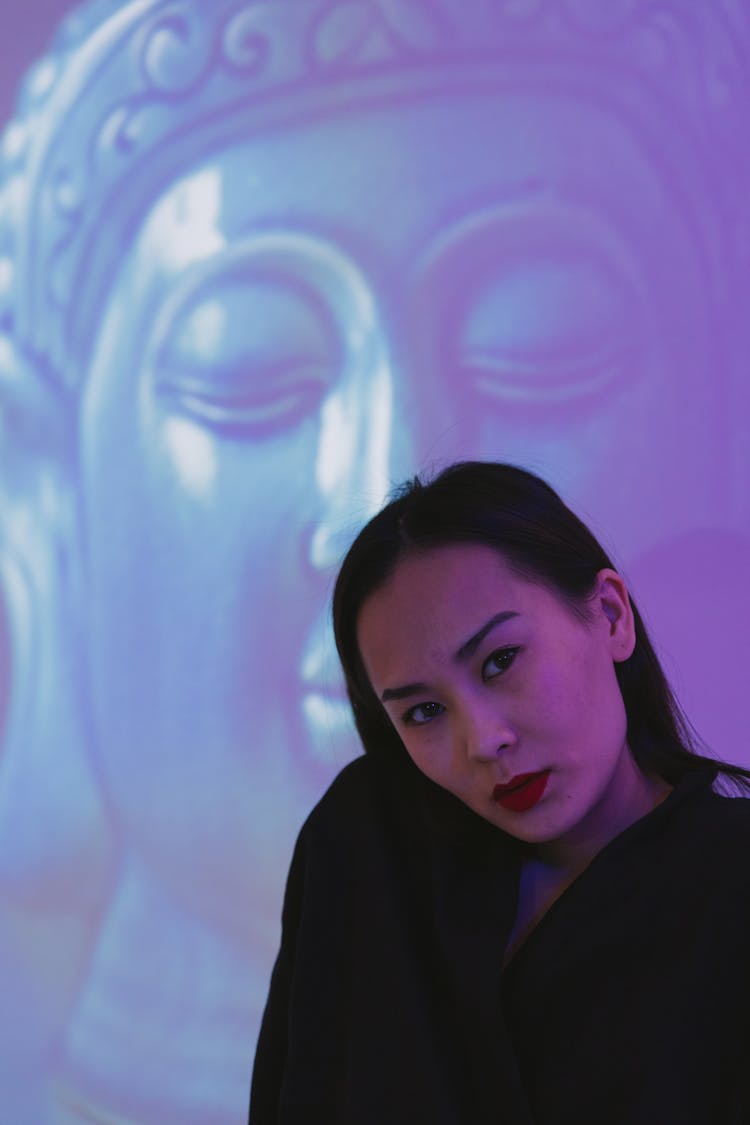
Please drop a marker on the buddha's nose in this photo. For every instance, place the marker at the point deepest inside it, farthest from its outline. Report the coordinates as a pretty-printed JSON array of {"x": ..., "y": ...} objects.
[{"x": 355, "y": 467}]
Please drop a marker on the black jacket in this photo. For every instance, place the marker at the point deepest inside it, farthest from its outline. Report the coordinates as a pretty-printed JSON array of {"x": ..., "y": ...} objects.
[{"x": 629, "y": 1004}]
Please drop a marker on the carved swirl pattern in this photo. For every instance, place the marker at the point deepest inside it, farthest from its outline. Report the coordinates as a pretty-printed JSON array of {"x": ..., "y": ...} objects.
[
  {"x": 177, "y": 53},
  {"x": 153, "y": 71}
]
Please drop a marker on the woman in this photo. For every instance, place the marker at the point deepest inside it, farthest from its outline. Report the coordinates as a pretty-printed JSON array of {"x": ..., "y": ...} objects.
[{"x": 525, "y": 903}]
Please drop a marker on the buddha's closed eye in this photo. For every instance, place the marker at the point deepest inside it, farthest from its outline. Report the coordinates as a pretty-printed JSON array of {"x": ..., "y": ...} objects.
[
  {"x": 249, "y": 355},
  {"x": 555, "y": 330}
]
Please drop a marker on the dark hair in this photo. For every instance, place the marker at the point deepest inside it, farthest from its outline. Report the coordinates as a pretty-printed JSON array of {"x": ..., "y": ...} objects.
[{"x": 507, "y": 508}]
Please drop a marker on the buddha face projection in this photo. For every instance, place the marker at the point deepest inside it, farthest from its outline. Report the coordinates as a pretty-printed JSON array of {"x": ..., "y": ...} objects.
[
  {"x": 447, "y": 258},
  {"x": 299, "y": 320}
]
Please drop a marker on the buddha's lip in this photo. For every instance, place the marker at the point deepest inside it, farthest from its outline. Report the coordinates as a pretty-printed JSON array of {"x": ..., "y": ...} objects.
[
  {"x": 333, "y": 691},
  {"x": 319, "y": 672}
]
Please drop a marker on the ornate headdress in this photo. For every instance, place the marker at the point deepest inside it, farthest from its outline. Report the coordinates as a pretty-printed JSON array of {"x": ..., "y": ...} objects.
[{"x": 103, "y": 118}]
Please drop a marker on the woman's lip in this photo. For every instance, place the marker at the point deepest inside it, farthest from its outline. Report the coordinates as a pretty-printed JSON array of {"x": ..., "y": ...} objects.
[
  {"x": 521, "y": 792},
  {"x": 519, "y": 779}
]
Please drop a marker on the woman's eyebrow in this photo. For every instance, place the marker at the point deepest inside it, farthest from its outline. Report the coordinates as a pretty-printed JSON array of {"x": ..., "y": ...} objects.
[
  {"x": 468, "y": 648},
  {"x": 403, "y": 692}
]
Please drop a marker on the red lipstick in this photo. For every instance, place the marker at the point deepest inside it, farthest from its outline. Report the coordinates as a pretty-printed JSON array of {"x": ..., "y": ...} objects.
[{"x": 521, "y": 792}]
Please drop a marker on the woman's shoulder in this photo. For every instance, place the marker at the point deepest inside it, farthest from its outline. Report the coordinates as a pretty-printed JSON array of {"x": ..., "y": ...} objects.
[
  {"x": 355, "y": 778},
  {"x": 363, "y": 793},
  {"x": 723, "y": 797},
  {"x": 712, "y": 826},
  {"x": 730, "y": 813},
  {"x": 384, "y": 801},
  {"x": 362, "y": 778}
]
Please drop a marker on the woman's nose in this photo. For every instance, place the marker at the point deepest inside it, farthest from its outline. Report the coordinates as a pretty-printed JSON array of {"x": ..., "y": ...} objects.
[{"x": 488, "y": 733}]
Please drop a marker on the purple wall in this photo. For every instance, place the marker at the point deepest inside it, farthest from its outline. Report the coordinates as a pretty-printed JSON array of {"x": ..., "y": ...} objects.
[{"x": 259, "y": 262}]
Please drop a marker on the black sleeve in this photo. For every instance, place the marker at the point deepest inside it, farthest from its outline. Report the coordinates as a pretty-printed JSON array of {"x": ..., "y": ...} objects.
[{"x": 271, "y": 1051}]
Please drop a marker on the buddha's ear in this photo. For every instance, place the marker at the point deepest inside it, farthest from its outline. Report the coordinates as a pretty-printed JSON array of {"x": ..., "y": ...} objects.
[
  {"x": 42, "y": 718},
  {"x": 37, "y": 515},
  {"x": 6, "y": 661},
  {"x": 612, "y": 602},
  {"x": 37, "y": 478},
  {"x": 35, "y": 394},
  {"x": 37, "y": 444}
]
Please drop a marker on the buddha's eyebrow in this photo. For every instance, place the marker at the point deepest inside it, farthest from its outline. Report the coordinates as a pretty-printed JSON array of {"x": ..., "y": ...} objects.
[{"x": 467, "y": 649}]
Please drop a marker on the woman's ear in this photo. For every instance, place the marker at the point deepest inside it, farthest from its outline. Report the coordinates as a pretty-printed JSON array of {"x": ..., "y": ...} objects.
[{"x": 613, "y": 602}]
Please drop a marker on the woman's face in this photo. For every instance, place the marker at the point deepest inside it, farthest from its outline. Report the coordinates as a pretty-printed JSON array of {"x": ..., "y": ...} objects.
[{"x": 488, "y": 677}]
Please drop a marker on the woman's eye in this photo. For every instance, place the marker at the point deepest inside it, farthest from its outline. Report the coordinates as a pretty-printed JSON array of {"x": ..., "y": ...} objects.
[
  {"x": 498, "y": 662},
  {"x": 422, "y": 713}
]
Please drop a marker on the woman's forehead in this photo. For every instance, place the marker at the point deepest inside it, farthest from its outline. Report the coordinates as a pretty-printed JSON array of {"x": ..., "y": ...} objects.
[{"x": 442, "y": 595}]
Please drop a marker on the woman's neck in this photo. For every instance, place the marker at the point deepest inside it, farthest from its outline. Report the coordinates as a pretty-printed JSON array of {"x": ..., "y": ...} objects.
[{"x": 631, "y": 796}]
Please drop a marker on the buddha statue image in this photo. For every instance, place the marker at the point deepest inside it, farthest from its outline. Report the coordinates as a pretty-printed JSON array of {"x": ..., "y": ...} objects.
[{"x": 259, "y": 261}]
